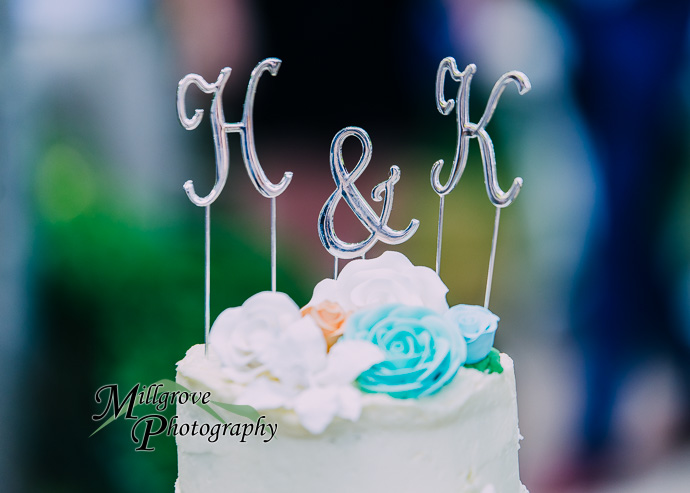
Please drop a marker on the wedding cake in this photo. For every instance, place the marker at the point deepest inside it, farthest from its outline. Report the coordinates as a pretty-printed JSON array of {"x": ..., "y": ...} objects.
[{"x": 375, "y": 386}]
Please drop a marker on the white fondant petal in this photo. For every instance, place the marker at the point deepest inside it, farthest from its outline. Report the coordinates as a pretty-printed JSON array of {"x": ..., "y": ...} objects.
[
  {"x": 390, "y": 278},
  {"x": 326, "y": 290},
  {"x": 239, "y": 335},
  {"x": 280, "y": 304},
  {"x": 264, "y": 393},
  {"x": 221, "y": 331},
  {"x": 347, "y": 360},
  {"x": 316, "y": 407},
  {"x": 349, "y": 403},
  {"x": 245, "y": 375},
  {"x": 435, "y": 290},
  {"x": 297, "y": 353}
]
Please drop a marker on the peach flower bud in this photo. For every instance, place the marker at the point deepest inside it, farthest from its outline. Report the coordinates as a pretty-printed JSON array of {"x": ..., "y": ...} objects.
[{"x": 330, "y": 317}]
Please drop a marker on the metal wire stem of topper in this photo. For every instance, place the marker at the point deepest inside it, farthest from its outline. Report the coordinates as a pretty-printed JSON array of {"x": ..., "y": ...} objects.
[
  {"x": 346, "y": 189},
  {"x": 466, "y": 131},
  {"x": 220, "y": 127}
]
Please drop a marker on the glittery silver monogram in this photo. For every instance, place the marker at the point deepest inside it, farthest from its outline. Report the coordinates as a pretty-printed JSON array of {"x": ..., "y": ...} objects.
[
  {"x": 346, "y": 189},
  {"x": 220, "y": 127},
  {"x": 466, "y": 131}
]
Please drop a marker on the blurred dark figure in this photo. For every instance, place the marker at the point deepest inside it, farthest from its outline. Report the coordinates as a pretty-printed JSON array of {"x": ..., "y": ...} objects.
[{"x": 627, "y": 83}]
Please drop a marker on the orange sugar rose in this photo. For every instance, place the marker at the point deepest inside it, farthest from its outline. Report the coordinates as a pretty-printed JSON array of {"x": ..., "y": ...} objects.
[{"x": 330, "y": 317}]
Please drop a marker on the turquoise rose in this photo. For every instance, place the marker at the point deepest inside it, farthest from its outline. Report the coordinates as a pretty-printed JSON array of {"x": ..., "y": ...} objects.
[
  {"x": 477, "y": 325},
  {"x": 422, "y": 350}
]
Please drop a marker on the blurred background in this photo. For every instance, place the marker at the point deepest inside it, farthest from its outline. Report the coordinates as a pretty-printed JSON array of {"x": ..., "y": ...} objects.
[{"x": 101, "y": 252}]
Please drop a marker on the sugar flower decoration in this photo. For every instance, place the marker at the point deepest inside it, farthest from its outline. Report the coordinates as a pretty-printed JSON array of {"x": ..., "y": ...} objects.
[
  {"x": 390, "y": 278},
  {"x": 240, "y": 336},
  {"x": 477, "y": 325},
  {"x": 282, "y": 360},
  {"x": 422, "y": 350},
  {"x": 330, "y": 317},
  {"x": 315, "y": 384}
]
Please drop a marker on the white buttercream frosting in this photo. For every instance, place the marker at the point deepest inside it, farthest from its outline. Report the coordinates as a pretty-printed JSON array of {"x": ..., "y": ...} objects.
[
  {"x": 463, "y": 439},
  {"x": 298, "y": 371}
]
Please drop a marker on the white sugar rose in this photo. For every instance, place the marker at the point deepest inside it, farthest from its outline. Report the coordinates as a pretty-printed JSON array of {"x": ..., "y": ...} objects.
[
  {"x": 242, "y": 335},
  {"x": 281, "y": 360},
  {"x": 315, "y": 384},
  {"x": 299, "y": 351},
  {"x": 390, "y": 278}
]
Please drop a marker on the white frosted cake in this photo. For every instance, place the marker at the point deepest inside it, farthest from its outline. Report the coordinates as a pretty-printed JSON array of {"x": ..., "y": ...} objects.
[{"x": 375, "y": 386}]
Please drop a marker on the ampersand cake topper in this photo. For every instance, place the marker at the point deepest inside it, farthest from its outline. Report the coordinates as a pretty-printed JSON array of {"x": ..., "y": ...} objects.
[
  {"x": 466, "y": 131},
  {"x": 346, "y": 189}
]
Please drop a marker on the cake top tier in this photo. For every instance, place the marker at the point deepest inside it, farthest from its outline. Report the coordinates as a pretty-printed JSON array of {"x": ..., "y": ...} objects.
[{"x": 383, "y": 324}]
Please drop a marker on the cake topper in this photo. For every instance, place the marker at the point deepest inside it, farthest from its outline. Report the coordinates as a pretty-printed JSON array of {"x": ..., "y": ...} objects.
[
  {"x": 346, "y": 189},
  {"x": 466, "y": 131},
  {"x": 220, "y": 127}
]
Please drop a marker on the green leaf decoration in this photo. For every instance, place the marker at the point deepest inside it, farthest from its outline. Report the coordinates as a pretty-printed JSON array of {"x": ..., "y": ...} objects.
[
  {"x": 246, "y": 411},
  {"x": 490, "y": 364},
  {"x": 107, "y": 422},
  {"x": 170, "y": 386}
]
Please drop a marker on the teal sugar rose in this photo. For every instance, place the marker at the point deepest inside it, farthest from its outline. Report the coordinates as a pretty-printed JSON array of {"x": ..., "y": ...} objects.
[
  {"x": 422, "y": 350},
  {"x": 477, "y": 325}
]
